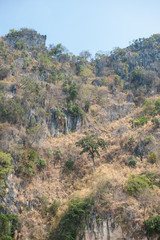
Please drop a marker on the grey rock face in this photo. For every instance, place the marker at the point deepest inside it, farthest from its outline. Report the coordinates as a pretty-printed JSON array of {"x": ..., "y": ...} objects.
[
  {"x": 108, "y": 228},
  {"x": 59, "y": 126},
  {"x": 115, "y": 112}
]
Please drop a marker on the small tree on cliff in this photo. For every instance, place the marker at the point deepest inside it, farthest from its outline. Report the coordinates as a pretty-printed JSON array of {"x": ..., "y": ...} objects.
[{"x": 91, "y": 144}]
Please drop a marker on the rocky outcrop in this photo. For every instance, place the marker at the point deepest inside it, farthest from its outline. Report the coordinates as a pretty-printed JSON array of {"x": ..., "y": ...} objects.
[
  {"x": 108, "y": 228},
  {"x": 30, "y": 38},
  {"x": 62, "y": 125},
  {"x": 115, "y": 112}
]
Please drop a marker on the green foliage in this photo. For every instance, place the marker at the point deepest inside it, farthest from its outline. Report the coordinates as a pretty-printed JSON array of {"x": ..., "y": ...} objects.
[
  {"x": 136, "y": 184},
  {"x": 59, "y": 114},
  {"x": 58, "y": 154},
  {"x": 72, "y": 92},
  {"x": 3, "y": 48},
  {"x": 20, "y": 45},
  {"x": 73, "y": 220},
  {"x": 53, "y": 208},
  {"x": 8, "y": 225},
  {"x": 132, "y": 162},
  {"x": 157, "y": 105},
  {"x": 87, "y": 106},
  {"x": 91, "y": 144},
  {"x": 148, "y": 107},
  {"x": 4, "y": 72},
  {"x": 152, "y": 157},
  {"x": 132, "y": 139},
  {"x": 137, "y": 75},
  {"x": 152, "y": 225},
  {"x": 156, "y": 121},
  {"x": 43, "y": 62},
  {"x": 57, "y": 50},
  {"x": 50, "y": 153},
  {"x": 5, "y": 168},
  {"x": 138, "y": 122},
  {"x": 31, "y": 86},
  {"x": 69, "y": 164},
  {"x": 149, "y": 139},
  {"x": 10, "y": 110},
  {"x": 30, "y": 162},
  {"x": 75, "y": 110},
  {"x": 41, "y": 163},
  {"x": 26, "y": 63}
]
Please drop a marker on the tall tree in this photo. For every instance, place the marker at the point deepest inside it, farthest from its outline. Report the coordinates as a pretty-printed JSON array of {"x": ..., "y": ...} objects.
[{"x": 91, "y": 144}]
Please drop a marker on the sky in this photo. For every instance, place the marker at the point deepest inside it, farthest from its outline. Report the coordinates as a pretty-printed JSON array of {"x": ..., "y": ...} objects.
[{"x": 94, "y": 25}]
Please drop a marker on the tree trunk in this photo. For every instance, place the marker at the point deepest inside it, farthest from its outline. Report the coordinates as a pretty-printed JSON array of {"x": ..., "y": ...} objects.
[{"x": 94, "y": 164}]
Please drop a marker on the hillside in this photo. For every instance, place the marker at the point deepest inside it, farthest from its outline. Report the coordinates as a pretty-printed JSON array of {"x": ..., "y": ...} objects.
[{"x": 50, "y": 99}]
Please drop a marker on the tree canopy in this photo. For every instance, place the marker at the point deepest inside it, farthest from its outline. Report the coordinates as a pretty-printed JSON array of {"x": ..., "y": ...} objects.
[{"x": 91, "y": 144}]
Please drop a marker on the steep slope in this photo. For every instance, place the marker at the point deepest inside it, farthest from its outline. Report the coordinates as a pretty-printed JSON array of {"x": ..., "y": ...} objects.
[{"x": 49, "y": 100}]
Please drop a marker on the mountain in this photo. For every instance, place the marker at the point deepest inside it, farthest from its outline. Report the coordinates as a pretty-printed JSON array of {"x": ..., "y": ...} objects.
[{"x": 56, "y": 111}]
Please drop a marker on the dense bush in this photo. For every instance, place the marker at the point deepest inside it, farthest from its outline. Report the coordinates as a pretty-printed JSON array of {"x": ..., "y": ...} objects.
[
  {"x": 69, "y": 164},
  {"x": 140, "y": 121},
  {"x": 152, "y": 225},
  {"x": 29, "y": 163},
  {"x": 148, "y": 106},
  {"x": 152, "y": 157},
  {"x": 53, "y": 208},
  {"x": 132, "y": 162},
  {"x": 156, "y": 121},
  {"x": 8, "y": 225},
  {"x": 73, "y": 220},
  {"x": 4, "y": 73},
  {"x": 10, "y": 110},
  {"x": 75, "y": 110},
  {"x": 149, "y": 139},
  {"x": 72, "y": 92},
  {"x": 5, "y": 168},
  {"x": 20, "y": 45},
  {"x": 137, "y": 183}
]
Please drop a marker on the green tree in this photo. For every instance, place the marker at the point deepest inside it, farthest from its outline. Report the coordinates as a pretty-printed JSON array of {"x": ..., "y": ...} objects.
[
  {"x": 5, "y": 168},
  {"x": 91, "y": 144}
]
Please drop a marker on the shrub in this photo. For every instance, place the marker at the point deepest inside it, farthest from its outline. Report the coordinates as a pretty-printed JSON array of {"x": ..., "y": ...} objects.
[
  {"x": 148, "y": 106},
  {"x": 75, "y": 110},
  {"x": 54, "y": 207},
  {"x": 137, "y": 122},
  {"x": 50, "y": 153},
  {"x": 73, "y": 220},
  {"x": 156, "y": 121},
  {"x": 11, "y": 110},
  {"x": 5, "y": 168},
  {"x": 132, "y": 162},
  {"x": 136, "y": 184},
  {"x": 41, "y": 163},
  {"x": 59, "y": 114},
  {"x": 8, "y": 225},
  {"x": 72, "y": 92},
  {"x": 157, "y": 106},
  {"x": 152, "y": 225},
  {"x": 20, "y": 45},
  {"x": 132, "y": 139},
  {"x": 58, "y": 154},
  {"x": 30, "y": 162},
  {"x": 87, "y": 106},
  {"x": 149, "y": 139},
  {"x": 152, "y": 157},
  {"x": 69, "y": 163},
  {"x": 3, "y": 73}
]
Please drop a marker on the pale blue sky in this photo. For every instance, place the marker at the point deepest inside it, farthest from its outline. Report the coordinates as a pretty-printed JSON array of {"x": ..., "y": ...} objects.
[{"x": 83, "y": 24}]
